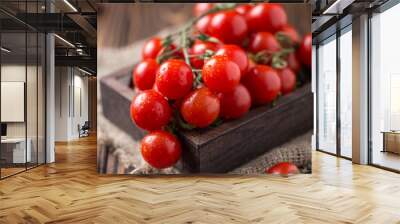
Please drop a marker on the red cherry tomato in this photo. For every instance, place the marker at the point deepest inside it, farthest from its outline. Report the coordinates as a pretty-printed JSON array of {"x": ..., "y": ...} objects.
[
  {"x": 236, "y": 103},
  {"x": 293, "y": 63},
  {"x": 291, "y": 33},
  {"x": 228, "y": 26},
  {"x": 243, "y": 9},
  {"x": 203, "y": 24},
  {"x": 235, "y": 54},
  {"x": 263, "y": 83},
  {"x": 264, "y": 41},
  {"x": 144, "y": 74},
  {"x": 305, "y": 49},
  {"x": 201, "y": 8},
  {"x": 161, "y": 149},
  {"x": 151, "y": 48},
  {"x": 221, "y": 74},
  {"x": 150, "y": 110},
  {"x": 198, "y": 49},
  {"x": 266, "y": 17},
  {"x": 174, "y": 79},
  {"x": 200, "y": 108},
  {"x": 283, "y": 168},
  {"x": 288, "y": 80}
]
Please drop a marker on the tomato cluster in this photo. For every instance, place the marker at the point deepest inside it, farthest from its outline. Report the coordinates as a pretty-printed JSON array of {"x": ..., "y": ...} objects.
[{"x": 229, "y": 58}]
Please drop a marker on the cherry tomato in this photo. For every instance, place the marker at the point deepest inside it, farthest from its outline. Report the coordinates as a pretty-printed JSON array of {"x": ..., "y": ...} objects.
[
  {"x": 235, "y": 54},
  {"x": 198, "y": 49},
  {"x": 264, "y": 41},
  {"x": 203, "y": 24},
  {"x": 201, "y": 8},
  {"x": 174, "y": 79},
  {"x": 200, "y": 108},
  {"x": 304, "y": 51},
  {"x": 266, "y": 17},
  {"x": 236, "y": 103},
  {"x": 293, "y": 63},
  {"x": 228, "y": 26},
  {"x": 221, "y": 74},
  {"x": 151, "y": 48},
  {"x": 288, "y": 80},
  {"x": 243, "y": 9},
  {"x": 150, "y": 110},
  {"x": 283, "y": 168},
  {"x": 263, "y": 83},
  {"x": 291, "y": 33},
  {"x": 144, "y": 74},
  {"x": 161, "y": 149}
]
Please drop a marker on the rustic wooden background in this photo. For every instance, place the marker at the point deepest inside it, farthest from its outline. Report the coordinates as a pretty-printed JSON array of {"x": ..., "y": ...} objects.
[{"x": 120, "y": 25}]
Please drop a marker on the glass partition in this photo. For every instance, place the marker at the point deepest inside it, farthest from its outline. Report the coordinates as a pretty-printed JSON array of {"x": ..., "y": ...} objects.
[
  {"x": 22, "y": 101},
  {"x": 14, "y": 153},
  {"x": 346, "y": 92},
  {"x": 385, "y": 89},
  {"x": 41, "y": 97},
  {"x": 32, "y": 88},
  {"x": 327, "y": 96},
  {"x": 32, "y": 98},
  {"x": 334, "y": 94}
]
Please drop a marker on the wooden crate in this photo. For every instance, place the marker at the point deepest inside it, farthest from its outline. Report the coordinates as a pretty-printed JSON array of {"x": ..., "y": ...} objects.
[{"x": 223, "y": 148}]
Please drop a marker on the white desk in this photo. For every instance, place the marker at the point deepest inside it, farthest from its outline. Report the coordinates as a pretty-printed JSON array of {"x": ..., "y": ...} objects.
[
  {"x": 391, "y": 141},
  {"x": 18, "y": 155}
]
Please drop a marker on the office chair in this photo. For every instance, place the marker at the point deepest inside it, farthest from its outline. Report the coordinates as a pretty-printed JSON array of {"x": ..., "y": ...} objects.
[{"x": 84, "y": 130}]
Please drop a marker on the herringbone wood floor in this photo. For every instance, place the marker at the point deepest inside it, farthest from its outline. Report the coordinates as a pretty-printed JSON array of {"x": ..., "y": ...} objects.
[{"x": 70, "y": 191}]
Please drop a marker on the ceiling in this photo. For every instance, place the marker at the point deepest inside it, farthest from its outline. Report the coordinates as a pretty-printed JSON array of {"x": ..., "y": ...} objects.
[
  {"x": 330, "y": 15},
  {"x": 74, "y": 22}
]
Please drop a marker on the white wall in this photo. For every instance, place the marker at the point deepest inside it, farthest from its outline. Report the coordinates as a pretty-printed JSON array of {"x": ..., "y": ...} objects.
[
  {"x": 80, "y": 110},
  {"x": 71, "y": 94},
  {"x": 62, "y": 81},
  {"x": 14, "y": 73},
  {"x": 33, "y": 127}
]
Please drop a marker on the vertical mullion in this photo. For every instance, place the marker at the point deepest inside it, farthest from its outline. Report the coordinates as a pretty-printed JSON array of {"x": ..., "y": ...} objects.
[
  {"x": 338, "y": 81},
  {"x": 317, "y": 96},
  {"x": 45, "y": 95},
  {"x": 0, "y": 92},
  {"x": 369, "y": 91},
  {"x": 69, "y": 92},
  {"x": 37, "y": 90},
  {"x": 45, "y": 88},
  {"x": 73, "y": 93},
  {"x": 26, "y": 86}
]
